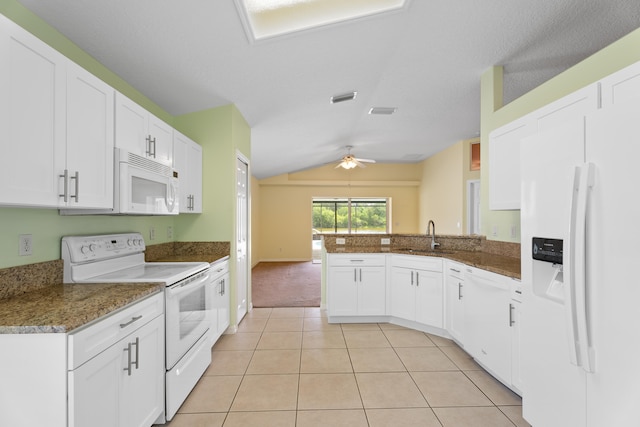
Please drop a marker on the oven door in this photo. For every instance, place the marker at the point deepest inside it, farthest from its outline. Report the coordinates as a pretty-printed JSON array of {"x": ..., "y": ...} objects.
[{"x": 188, "y": 314}]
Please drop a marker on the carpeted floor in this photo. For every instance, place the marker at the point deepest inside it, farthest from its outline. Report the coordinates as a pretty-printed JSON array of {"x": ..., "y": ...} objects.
[{"x": 285, "y": 284}]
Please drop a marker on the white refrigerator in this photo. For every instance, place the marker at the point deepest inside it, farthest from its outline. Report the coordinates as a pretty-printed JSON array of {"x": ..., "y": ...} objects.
[{"x": 581, "y": 302}]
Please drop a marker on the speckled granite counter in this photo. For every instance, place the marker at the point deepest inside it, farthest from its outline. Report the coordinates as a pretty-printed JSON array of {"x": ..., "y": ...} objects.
[
  {"x": 500, "y": 264},
  {"x": 62, "y": 308},
  {"x": 188, "y": 252}
]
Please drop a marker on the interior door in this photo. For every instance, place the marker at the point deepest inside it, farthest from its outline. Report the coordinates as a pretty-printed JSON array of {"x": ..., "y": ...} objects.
[{"x": 242, "y": 235}]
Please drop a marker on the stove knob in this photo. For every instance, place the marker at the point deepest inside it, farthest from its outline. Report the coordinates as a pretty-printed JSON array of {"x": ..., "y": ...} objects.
[
  {"x": 139, "y": 242},
  {"x": 130, "y": 242},
  {"x": 84, "y": 249},
  {"x": 92, "y": 247}
]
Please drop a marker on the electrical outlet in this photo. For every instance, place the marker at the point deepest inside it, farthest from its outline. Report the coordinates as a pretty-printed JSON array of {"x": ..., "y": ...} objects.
[
  {"x": 514, "y": 231},
  {"x": 26, "y": 245},
  {"x": 340, "y": 240},
  {"x": 169, "y": 232},
  {"x": 152, "y": 233},
  {"x": 494, "y": 230},
  {"x": 385, "y": 241}
]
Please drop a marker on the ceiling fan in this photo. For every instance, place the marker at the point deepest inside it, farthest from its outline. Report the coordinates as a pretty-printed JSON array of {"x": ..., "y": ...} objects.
[{"x": 349, "y": 161}]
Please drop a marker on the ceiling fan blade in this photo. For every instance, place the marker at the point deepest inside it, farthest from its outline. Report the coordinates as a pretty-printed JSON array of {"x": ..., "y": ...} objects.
[
  {"x": 366, "y": 160},
  {"x": 361, "y": 165}
]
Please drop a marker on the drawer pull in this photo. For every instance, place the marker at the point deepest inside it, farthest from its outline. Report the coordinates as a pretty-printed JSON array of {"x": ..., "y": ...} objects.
[
  {"x": 133, "y": 319},
  {"x": 519, "y": 292},
  {"x": 454, "y": 270}
]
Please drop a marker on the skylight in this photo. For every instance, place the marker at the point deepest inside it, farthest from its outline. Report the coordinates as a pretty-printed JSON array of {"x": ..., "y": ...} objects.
[{"x": 269, "y": 18}]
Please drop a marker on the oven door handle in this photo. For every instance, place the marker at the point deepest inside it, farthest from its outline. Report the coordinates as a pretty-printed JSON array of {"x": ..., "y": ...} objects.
[{"x": 187, "y": 286}]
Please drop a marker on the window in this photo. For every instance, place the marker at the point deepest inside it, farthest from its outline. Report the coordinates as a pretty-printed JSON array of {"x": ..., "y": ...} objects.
[{"x": 351, "y": 216}]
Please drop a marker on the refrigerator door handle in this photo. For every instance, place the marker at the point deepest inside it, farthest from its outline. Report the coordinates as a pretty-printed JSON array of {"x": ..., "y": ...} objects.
[{"x": 577, "y": 303}]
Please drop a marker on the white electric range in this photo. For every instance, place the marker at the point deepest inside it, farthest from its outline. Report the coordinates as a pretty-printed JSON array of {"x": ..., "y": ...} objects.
[{"x": 116, "y": 258}]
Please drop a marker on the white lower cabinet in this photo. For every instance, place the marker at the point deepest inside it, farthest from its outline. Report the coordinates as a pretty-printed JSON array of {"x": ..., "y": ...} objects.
[
  {"x": 356, "y": 285},
  {"x": 454, "y": 279},
  {"x": 109, "y": 373},
  {"x": 416, "y": 289},
  {"x": 516, "y": 342},
  {"x": 221, "y": 283},
  {"x": 116, "y": 368},
  {"x": 488, "y": 313},
  {"x": 123, "y": 385}
]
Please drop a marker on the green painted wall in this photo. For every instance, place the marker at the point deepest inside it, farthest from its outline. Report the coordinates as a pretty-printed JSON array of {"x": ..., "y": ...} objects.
[{"x": 493, "y": 114}]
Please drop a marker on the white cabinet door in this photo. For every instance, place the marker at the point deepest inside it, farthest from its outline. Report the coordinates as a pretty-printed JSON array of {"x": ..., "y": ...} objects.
[
  {"x": 621, "y": 87},
  {"x": 142, "y": 383},
  {"x": 403, "y": 303},
  {"x": 32, "y": 123},
  {"x": 162, "y": 137},
  {"x": 429, "y": 298},
  {"x": 222, "y": 307},
  {"x": 187, "y": 159},
  {"x": 455, "y": 301},
  {"x": 343, "y": 291},
  {"x": 417, "y": 289},
  {"x": 516, "y": 366},
  {"x": 132, "y": 126},
  {"x": 487, "y": 321},
  {"x": 140, "y": 132},
  {"x": 94, "y": 389},
  {"x": 504, "y": 164},
  {"x": 89, "y": 140},
  {"x": 573, "y": 106},
  {"x": 356, "y": 285},
  {"x": 371, "y": 286}
]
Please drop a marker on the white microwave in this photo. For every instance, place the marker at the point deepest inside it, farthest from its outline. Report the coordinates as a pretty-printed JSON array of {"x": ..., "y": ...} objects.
[{"x": 141, "y": 187}]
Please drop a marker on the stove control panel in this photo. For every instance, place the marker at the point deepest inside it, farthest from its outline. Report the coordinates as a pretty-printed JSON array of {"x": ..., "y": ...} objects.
[{"x": 76, "y": 249}]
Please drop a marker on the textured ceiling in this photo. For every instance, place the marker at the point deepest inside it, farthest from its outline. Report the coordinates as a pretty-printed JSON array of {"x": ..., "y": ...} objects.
[{"x": 425, "y": 59}]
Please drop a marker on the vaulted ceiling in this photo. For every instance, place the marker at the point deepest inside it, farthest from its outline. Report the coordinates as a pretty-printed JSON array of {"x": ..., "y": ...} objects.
[{"x": 425, "y": 59}]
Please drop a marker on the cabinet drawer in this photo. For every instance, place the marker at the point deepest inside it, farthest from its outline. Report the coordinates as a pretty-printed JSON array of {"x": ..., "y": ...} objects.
[
  {"x": 418, "y": 262},
  {"x": 219, "y": 269},
  {"x": 93, "y": 339},
  {"x": 354, "y": 260},
  {"x": 455, "y": 269},
  {"x": 516, "y": 290}
]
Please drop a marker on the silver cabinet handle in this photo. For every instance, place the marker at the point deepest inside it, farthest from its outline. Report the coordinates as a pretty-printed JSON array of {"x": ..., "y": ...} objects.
[
  {"x": 412, "y": 278},
  {"x": 511, "y": 321},
  {"x": 137, "y": 344},
  {"x": 360, "y": 275},
  {"x": 454, "y": 270},
  {"x": 128, "y": 368},
  {"x": 76, "y": 177},
  {"x": 355, "y": 275},
  {"x": 417, "y": 278},
  {"x": 151, "y": 142},
  {"x": 459, "y": 290},
  {"x": 65, "y": 177},
  {"x": 133, "y": 319}
]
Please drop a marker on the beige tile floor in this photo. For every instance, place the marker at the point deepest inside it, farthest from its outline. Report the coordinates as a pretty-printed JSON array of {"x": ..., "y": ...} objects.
[{"x": 290, "y": 367}]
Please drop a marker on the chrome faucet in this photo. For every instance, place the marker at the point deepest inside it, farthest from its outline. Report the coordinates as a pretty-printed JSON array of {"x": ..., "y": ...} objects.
[{"x": 432, "y": 226}]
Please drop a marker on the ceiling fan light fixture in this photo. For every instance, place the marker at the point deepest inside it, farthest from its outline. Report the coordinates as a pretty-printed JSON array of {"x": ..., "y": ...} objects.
[
  {"x": 349, "y": 96},
  {"x": 383, "y": 110}
]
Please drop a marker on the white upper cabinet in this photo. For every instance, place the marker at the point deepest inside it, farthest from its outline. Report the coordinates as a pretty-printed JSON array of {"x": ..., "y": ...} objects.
[
  {"x": 89, "y": 139},
  {"x": 504, "y": 143},
  {"x": 621, "y": 87},
  {"x": 56, "y": 124},
  {"x": 187, "y": 159},
  {"x": 32, "y": 130},
  {"x": 140, "y": 132},
  {"x": 504, "y": 164}
]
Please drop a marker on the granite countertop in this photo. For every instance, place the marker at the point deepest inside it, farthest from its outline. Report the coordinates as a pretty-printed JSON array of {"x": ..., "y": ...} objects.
[
  {"x": 61, "y": 308},
  {"x": 500, "y": 264}
]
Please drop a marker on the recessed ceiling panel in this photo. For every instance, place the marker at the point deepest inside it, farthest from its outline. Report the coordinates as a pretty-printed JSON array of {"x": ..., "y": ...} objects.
[{"x": 270, "y": 18}]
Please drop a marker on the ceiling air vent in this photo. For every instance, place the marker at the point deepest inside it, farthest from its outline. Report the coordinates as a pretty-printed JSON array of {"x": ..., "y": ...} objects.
[
  {"x": 349, "y": 96},
  {"x": 383, "y": 110}
]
